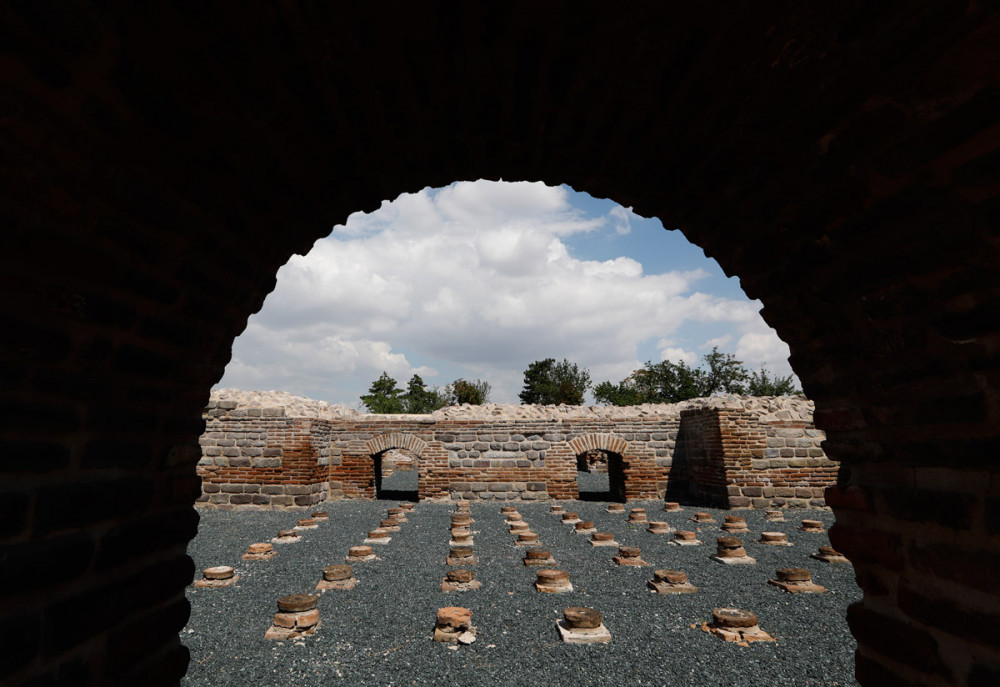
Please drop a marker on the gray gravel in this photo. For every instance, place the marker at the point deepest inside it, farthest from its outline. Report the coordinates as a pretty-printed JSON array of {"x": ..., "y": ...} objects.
[{"x": 379, "y": 633}]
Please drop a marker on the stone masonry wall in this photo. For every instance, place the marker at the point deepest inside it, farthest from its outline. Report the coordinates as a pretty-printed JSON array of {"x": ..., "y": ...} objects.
[{"x": 257, "y": 457}]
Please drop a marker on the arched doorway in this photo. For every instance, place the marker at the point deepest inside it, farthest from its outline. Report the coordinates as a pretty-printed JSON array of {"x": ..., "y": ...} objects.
[
  {"x": 396, "y": 475},
  {"x": 600, "y": 476},
  {"x": 395, "y": 464},
  {"x": 839, "y": 159}
]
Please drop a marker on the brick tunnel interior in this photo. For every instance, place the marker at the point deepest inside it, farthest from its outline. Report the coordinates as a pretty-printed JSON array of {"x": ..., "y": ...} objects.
[{"x": 160, "y": 164}]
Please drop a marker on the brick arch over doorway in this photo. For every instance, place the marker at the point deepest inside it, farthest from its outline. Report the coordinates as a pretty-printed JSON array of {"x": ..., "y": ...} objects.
[
  {"x": 158, "y": 168},
  {"x": 377, "y": 446},
  {"x": 384, "y": 442},
  {"x": 602, "y": 441}
]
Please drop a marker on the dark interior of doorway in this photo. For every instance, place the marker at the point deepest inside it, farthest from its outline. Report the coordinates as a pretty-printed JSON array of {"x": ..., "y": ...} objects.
[
  {"x": 401, "y": 485},
  {"x": 597, "y": 484}
]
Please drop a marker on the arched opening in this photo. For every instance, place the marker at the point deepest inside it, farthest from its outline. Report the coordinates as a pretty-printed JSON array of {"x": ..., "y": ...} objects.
[
  {"x": 396, "y": 475},
  {"x": 600, "y": 476},
  {"x": 820, "y": 154}
]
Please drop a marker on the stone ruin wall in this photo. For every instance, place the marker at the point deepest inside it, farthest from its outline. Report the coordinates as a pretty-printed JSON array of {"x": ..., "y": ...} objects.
[{"x": 268, "y": 450}]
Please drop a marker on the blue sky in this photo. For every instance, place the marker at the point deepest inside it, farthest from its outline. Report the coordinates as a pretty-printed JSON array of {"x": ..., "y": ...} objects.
[{"x": 479, "y": 279}]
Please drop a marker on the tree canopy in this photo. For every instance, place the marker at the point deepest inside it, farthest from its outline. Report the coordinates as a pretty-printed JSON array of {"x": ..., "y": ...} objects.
[
  {"x": 384, "y": 396},
  {"x": 547, "y": 382},
  {"x": 475, "y": 392},
  {"x": 670, "y": 382}
]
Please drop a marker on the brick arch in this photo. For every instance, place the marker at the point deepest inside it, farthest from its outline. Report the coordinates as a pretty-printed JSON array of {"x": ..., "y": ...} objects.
[
  {"x": 602, "y": 441},
  {"x": 384, "y": 442},
  {"x": 839, "y": 159}
]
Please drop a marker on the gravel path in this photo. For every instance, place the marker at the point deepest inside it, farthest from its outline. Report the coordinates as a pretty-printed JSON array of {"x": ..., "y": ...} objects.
[{"x": 379, "y": 633}]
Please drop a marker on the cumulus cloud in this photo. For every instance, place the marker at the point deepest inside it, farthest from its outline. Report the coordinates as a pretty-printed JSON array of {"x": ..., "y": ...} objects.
[
  {"x": 678, "y": 355},
  {"x": 474, "y": 280}
]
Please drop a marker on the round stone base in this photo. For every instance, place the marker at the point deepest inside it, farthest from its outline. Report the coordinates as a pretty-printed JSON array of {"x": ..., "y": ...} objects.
[
  {"x": 541, "y": 562},
  {"x": 743, "y": 636},
  {"x": 471, "y": 560},
  {"x": 742, "y": 560},
  {"x": 339, "y": 585},
  {"x": 577, "y": 635},
  {"x": 212, "y": 584},
  {"x": 798, "y": 587},
  {"x": 449, "y": 586},
  {"x": 633, "y": 561},
  {"x": 667, "y": 588}
]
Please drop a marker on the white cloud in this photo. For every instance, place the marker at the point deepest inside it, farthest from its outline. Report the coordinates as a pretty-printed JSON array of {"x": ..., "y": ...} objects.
[
  {"x": 621, "y": 219},
  {"x": 477, "y": 278},
  {"x": 679, "y": 355}
]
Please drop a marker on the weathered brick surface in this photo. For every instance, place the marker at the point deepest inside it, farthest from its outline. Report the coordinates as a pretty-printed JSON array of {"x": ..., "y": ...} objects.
[
  {"x": 721, "y": 457},
  {"x": 840, "y": 158}
]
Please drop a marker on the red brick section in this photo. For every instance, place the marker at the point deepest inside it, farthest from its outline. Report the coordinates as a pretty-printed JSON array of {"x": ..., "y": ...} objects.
[
  {"x": 256, "y": 458},
  {"x": 840, "y": 158}
]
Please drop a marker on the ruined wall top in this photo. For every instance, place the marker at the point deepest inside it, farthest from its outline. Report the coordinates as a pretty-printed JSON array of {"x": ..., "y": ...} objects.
[{"x": 769, "y": 408}]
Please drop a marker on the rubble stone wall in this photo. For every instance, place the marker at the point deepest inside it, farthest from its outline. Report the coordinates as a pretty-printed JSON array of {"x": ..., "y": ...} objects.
[{"x": 257, "y": 457}]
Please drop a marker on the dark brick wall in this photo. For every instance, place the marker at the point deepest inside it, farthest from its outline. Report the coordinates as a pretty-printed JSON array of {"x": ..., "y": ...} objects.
[{"x": 159, "y": 164}]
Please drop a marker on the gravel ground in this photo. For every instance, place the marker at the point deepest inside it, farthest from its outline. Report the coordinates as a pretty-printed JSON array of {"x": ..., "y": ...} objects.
[{"x": 380, "y": 632}]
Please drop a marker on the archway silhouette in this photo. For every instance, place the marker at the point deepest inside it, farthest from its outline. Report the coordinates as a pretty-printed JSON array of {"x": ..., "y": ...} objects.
[{"x": 160, "y": 168}]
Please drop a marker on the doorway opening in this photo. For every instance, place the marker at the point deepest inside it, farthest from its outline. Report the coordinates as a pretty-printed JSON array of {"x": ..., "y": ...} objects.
[
  {"x": 600, "y": 476},
  {"x": 396, "y": 475}
]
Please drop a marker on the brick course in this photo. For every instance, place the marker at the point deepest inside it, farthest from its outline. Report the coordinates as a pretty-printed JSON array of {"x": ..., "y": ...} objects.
[{"x": 721, "y": 458}]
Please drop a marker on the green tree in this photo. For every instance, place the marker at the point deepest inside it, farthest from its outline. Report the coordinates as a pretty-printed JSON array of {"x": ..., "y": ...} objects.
[
  {"x": 384, "y": 396},
  {"x": 547, "y": 382},
  {"x": 670, "y": 382},
  {"x": 762, "y": 384},
  {"x": 724, "y": 374},
  {"x": 475, "y": 392},
  {"x": 420, "y": 400}
]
